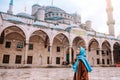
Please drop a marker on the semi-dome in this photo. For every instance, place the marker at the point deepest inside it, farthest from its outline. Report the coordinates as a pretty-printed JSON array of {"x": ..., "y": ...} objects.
[
  {"x": 53, "y": 9},
  {"x": 25, "y": 15},
  {"x": 36, "y": 5},
  {"x": 15, "y": 20}
]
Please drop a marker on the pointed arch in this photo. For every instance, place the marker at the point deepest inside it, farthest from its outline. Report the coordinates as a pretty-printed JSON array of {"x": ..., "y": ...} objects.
[
  {"x": 91, "y": 42},
  {"x": 107, "y": 44},
  {"x": 78, "y": 41}
]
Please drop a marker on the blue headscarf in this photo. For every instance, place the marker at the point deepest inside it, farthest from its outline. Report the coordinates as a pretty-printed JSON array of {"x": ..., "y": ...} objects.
[{"x": 82, "y": 57}]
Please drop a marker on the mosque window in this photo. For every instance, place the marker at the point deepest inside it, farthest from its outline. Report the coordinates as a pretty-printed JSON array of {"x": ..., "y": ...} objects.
[
  {"x": 30, "y": 46},
  {"x": 98, "y": 61},
  {"x": 57, "y": 14},
  {"x": 103, "y": 61},
  {"x": 65, "y": 15},
  {"x": 107, "y": 52},
  {"x": 108, "y": 61},
  {"x": 6, "y": 58},
  {"x": 8, "y": 44},
  {"x": 61, "y": 14},
  {"x": 119, "y": 53},
  {"x": 49, "y": 48},
  {"x": 97, "y": 51},
  {"x": 49, "y": 14},
  {"x": 57, "y": 60},
  {"x": 52, "y": 14},
  {"x": 48, "y": 60},
  {"x": 18, "y": 59},
  {"x": 20, "y": 45},
  {"x": 58, "y": 48},
  {"x": 103, "y": 52},
  {"x": 29, "y": 60}
]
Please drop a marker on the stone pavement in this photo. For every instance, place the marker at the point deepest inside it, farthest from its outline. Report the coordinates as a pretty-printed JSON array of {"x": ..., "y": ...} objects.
[{"x": 98, "y": 73}]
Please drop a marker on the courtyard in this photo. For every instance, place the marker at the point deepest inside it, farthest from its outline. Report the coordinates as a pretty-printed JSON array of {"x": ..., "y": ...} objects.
[{"x": 98, "y": 73}]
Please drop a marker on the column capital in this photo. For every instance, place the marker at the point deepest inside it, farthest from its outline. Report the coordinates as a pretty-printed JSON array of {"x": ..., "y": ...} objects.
[
  {"x": 27, "y": 41},
  {"x": 51, "y": 44}
]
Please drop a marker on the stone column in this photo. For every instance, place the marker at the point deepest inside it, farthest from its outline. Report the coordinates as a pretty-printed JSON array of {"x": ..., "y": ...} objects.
[
  {"x": 64, "y": 53},
  {"x": 26, "y": 51},
  {"x": 50, "y": 56},
  {"x": 70, "y": 54},
  {"x": 112, "y": 57},
  {"x": 100, "y": 52}
]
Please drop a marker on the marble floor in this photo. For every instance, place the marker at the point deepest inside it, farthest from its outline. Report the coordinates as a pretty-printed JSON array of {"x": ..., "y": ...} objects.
[{"x": 98, "y": 73}]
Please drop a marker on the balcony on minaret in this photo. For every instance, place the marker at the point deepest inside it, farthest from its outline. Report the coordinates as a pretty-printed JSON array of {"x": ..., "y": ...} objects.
[
  {"x": 109, "y": 9},
  {"x": 109, "y": 22}
]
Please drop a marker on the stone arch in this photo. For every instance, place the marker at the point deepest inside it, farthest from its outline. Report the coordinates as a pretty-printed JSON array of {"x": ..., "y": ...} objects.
[
  {"x": 61, "y": 36},
  {"x": 20, "y": 27},
  {"x": 40, "y": 33},
  {"x": 106, "y": 53},
  {"x": 13, "y": 37},
  {"x": 91, "y": 42},
  {"x": 78, "y": 41},
  {"x": 93, "y": 49},
  {"x": 39, "y": 30},
  {"x": 116, "y": 53},
  {"x": 39, "y": 42},
  {"x": 54, "y": 35},
  {"x": 13, "y": 32},
  {"x": 107, "y": 44},
  {"x": 59, "y": 45}
]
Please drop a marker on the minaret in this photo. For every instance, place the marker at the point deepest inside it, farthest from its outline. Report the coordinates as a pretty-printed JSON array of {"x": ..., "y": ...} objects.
[
  {"x": 10, "y": 10},
  {"x": 110, "y": 21}
]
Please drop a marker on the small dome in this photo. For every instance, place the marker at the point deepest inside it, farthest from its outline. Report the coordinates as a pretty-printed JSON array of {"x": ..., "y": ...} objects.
[
  {"x": 70, "y": 27},
  {"x": 41, "y": 24},
  {"x": 15, "y": 20},
  {"x": 110, "y": 37},
  {"x": 36, "y": 5},
  {"x": 57, "y": 27},
  {"x": 25, "y": 15},
  {"x": 74, "y": 26},
  {"x": 53, "y": 9}
]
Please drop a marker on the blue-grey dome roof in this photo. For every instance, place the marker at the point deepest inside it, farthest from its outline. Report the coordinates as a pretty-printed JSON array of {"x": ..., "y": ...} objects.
[
  {"x": 22, "y": 14},
  {"x": 70, "y": 27},
  {"x": 15, "y": 20},
  {"x": 41, "y": 24},
  {"x": 57, "y": 27},
  {"x": 36, "y": 5},
  {"x": 54, "y": 18},
  {"x": 53, "y": 9}
]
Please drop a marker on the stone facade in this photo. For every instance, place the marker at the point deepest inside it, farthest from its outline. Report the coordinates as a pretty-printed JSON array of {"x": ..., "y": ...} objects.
[{"x": 26, "y": 40}]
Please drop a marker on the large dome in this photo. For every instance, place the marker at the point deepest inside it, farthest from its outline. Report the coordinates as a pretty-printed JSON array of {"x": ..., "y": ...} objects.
[
  {"x": 36, "y": 5},
  {"x": 22, "y": 14},
  {"x": 53, "y": 9}
]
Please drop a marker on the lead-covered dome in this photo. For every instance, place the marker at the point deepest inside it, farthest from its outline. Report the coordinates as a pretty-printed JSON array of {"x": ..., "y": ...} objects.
[
  {"x": 25, "y": 15},
  {"x": 15, "y": 20},
  {"x": 53, "y": 9},
  {"x": 36, "y": 5}
]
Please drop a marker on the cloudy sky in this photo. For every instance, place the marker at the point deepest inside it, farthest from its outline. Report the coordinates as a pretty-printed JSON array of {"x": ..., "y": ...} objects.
[{"x": 94, "y": 10}]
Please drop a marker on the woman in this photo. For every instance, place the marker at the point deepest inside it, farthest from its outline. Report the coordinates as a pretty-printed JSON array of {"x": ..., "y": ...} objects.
[{"x": 81, "y": 67}]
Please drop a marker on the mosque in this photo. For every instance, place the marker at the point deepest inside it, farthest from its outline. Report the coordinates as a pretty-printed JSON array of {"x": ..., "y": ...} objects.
[{"x": 50, "y": 36}]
